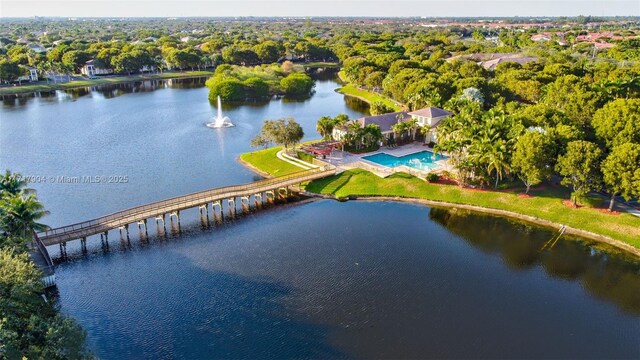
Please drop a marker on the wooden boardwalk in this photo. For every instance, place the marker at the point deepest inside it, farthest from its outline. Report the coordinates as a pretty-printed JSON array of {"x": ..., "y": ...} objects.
[{"x": 140, "y": 213}]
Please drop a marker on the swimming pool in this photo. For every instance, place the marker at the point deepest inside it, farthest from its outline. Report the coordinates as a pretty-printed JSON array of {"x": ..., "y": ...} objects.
[{"x": 423, "y": 160}]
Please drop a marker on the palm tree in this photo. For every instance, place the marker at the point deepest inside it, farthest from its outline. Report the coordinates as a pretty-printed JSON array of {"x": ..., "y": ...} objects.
[
  {"x": 398, "y": 129},
  {"x": 352, "y": 135},
  {"x": 371, "y": 134},
  {"x": 497, "y": 160},
  {"x": 412, "y": 126},
  {"x": 20, "y": 213},
  {"x": 324, "y": 127},
  {"x": 12, "y": 184}
]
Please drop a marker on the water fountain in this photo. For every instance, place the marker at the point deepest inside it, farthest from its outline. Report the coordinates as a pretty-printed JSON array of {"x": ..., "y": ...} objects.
[{"x": 220, "y": 121}]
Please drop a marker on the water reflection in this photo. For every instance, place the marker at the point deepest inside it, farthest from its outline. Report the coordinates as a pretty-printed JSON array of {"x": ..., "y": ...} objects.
[
  {"x": 357, "y": 104},
  {"x": 107, "y": 91},
  {"x": 612, "y": 277}
]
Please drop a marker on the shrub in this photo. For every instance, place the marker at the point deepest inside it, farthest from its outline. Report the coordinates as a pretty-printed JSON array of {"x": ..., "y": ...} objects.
[
  {"x": 305, "y": 157},
  {"x": 433, "y": 177}
]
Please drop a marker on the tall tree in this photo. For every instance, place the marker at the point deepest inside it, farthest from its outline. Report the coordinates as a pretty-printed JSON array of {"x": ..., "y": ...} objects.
[
  {"x": 619, "y": 170},
  {"x": 20, "y": 214},
  {"x": 286, "y": 132},
  {"x": 580, "y": 168},
  {"x": 13, "y": 183},
  {"x": 618, "y": 122},
  {"x": 324, "y": 126},
  {"x": 531, "y": 158}
]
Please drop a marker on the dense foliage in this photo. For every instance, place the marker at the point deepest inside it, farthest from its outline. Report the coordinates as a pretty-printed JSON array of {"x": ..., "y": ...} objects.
[
  {"x": 238, "y": 83},
  {"x": 579, "y": 80},
  {"x": 30, "y": 325}
]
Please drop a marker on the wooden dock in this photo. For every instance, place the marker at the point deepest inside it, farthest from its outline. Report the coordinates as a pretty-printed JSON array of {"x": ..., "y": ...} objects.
[{"x": 171, "y": 207}]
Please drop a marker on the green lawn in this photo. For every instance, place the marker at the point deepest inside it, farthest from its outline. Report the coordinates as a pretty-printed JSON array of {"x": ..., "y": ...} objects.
[
  {"x": 321, "y": 64},
  {"x": 365, "y": 95},
  {"x": 99, "y": 81},
  {"x": 546, "y": 203},
  {"x": 266, "y": 161}
]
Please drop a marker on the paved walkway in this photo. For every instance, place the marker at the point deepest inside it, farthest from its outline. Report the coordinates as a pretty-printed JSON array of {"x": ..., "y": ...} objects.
[{"x": 295, "y": 161}]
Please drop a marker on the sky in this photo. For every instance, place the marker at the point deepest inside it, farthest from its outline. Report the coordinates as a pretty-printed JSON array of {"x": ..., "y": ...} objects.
[{"x": 306, "y": 8}]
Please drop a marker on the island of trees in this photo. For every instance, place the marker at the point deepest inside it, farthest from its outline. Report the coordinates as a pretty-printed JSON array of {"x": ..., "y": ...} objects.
[{"x": 237, "y": 83}]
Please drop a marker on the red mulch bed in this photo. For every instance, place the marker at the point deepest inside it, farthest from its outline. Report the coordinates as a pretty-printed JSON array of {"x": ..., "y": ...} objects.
[
  {"x": 446, "y": 181},
  {"x": 606, "y": 211},
  {"x": 525, "y": 196},
  {"x": 569, "y": 203}
]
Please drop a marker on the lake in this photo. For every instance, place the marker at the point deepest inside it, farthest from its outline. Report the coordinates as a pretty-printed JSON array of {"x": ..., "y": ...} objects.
[{"x": 311, "y": 279}]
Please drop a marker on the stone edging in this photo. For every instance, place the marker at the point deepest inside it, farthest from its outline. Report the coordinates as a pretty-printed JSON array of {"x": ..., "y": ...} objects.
[{"x": 504, "y": 213}]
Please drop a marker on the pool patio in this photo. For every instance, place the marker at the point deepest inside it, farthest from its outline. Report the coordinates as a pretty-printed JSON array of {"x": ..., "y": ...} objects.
[{"x": 344, "y": 160}]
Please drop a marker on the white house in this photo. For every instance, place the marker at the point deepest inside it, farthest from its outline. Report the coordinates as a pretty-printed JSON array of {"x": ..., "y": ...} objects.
[
  {"x": 91, "y": 68},
  {"x": 429, "y": 117},
  {"x": 32, "y": 76}
]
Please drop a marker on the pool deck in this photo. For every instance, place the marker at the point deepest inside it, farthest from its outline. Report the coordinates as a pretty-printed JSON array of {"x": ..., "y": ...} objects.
[{"x": 344, "y": 160}]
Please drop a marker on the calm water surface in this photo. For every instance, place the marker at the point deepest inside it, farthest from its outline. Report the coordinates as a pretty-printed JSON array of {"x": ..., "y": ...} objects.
[
  {"x": 153, "y": 132},
  {"x": 314, "y": 279}
]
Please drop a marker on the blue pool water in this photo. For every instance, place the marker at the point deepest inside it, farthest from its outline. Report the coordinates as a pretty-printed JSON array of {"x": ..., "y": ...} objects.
[{"x": 423, "y": 160}]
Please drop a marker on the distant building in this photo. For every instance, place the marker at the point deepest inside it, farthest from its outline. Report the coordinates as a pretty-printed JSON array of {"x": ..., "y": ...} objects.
[
  {"x": 38, "y": 48},
  {"x": 541, "y": 37},
  {"x": 491, "y": 60},
  {"x": 92, "y": 68},
  {"x": 31, "y": 76},
  {"x": 492, "y": 64}
]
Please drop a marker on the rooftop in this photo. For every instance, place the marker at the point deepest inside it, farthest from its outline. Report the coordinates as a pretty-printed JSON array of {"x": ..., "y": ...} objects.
[
  {"x": 385, "y": 121},
  {"x": 430, "y": 112}
]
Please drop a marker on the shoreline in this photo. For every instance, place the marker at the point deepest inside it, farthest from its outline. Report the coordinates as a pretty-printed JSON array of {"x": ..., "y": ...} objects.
[
  {"x": 619, "y": 245},
  {"x": 588, "y": 235},
  {"x": 74, "y": 84},
  {"x": 344, "y": 83},
  {"x": 249, "y": 166}
]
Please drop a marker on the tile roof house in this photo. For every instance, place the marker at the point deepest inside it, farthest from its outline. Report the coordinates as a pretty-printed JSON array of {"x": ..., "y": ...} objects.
[{"x": 428, "y": 117}]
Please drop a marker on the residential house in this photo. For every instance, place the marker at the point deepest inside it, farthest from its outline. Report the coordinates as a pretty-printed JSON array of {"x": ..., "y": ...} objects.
[
  {"x": 490, "y": 61},
  {"x": 31, "y": 76},
  {"x": 37, "y": 48},
  {"x": 92, "y": 68},
  {"x": 429, "y": 117}
]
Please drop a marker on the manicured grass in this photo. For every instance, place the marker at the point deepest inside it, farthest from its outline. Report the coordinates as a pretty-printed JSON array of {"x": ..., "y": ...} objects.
[
  {"x": 321, "y": 64},
  {"x": 266, "y": 160},
  {"x": 99, "y": 81},
  {"x": 546, "y": 202},
  {"x": 367, "y": 96}
]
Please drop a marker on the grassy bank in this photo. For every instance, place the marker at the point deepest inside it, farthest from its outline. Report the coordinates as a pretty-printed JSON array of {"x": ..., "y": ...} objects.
[
  {"x": 321, "y": 64},
  {"x": 546, "y": 203},
  {"x": 28, "y": 88},
  {"x": 365, "y": 95},
  {"x": 267, "y": 163}
]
